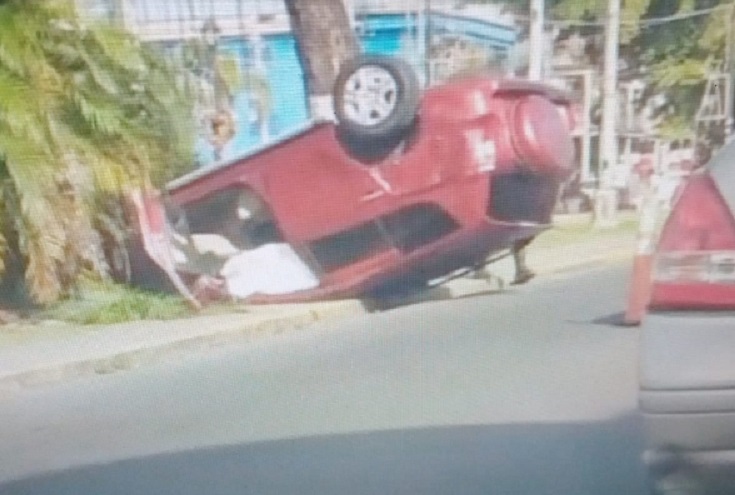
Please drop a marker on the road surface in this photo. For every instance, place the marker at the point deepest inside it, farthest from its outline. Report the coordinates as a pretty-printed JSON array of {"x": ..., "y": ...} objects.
[{"x": 529, "y": 391}]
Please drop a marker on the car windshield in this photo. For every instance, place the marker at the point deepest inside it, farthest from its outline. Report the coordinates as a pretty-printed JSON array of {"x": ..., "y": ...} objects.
[{"x": 366, "y": 246}]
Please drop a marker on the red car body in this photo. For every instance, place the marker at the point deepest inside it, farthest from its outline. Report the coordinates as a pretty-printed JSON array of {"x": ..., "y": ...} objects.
[{"x": 479, "y": 172}]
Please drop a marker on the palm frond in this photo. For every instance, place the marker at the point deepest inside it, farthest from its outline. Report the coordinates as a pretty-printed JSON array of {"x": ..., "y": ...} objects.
[
  {"x": 15, "y": 54},
  {"x": 85, "y": 111},
  {"x": 104, "y": 79},
  {"x": 28, "y": 166},
  {"x": 120, "y": 49},
  {"x": 103, "y": 116}
]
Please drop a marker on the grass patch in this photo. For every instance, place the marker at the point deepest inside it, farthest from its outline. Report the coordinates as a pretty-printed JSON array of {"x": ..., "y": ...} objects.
[
  {"x": 585, "y": 231},
  {"x": 105, "y": 303},
  {"x": 100, "y": 303}
]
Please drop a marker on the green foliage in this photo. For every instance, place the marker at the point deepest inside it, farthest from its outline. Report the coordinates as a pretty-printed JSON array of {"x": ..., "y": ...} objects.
[
  {"x": 104, "y": 303},
  {"x": 672, "y": 72},
  {"x": 583, "y": 230},
  {"x": 630, "y": 13},
  {"x": 84, "y": 111},
  {"x": 676, "y": 127},
  {"x": 679, "y": 55},
  {"x": 675, "y": 56}
]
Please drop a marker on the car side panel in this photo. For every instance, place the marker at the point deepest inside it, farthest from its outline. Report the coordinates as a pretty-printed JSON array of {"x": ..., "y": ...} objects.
[
  {"x": 692, "y": 432},
  {"x": 688, "y": 351},
  {"x": 687, "y": 377}
]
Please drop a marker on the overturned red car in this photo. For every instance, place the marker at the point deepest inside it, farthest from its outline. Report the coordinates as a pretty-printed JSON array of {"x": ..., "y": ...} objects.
[{"x": 404, "y": 188}]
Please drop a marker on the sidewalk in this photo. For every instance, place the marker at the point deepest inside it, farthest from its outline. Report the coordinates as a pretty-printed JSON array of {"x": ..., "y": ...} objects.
[
  {"x": 56, "y": 352},
  {"x": 71, "y": 351}
]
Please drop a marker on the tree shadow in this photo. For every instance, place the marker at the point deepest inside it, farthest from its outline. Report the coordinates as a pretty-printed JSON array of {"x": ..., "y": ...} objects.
[{"x": 567, "y": 458}]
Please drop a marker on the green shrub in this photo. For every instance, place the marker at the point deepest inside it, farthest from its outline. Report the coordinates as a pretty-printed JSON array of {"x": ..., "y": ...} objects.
[{"x": 106, "y": 303}]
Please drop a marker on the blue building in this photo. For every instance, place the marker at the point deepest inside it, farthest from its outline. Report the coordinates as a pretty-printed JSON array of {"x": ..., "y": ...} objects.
[{"x": 254, "y": 35}]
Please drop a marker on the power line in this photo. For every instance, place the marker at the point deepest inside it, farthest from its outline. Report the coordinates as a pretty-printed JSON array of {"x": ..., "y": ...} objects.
[
  {"x": 657, "y": 21},
  {"x": 536, "y": 37},
  {"x": 684, "y": 15}
]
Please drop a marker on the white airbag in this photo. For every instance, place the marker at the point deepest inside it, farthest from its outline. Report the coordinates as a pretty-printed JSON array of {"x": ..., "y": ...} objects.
[{"x": 271, "y": 269}]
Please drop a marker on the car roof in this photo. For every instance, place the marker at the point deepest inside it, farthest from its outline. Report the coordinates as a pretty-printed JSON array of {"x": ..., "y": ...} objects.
[{"x": 222, "y": 164}]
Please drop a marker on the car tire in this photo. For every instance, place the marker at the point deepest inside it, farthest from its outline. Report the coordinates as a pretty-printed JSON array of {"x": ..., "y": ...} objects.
[
  {"x": 376, "y": 99},
  {"x": 371, "y": 150}
]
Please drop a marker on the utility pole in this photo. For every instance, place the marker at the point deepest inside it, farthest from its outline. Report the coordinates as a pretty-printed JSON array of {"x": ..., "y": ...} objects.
[
  {"x": 586, "y": 157},
  {"x": 324, "y": 40},
  {"x": 427, "y": 42},
  {"x": 536, "y": 43},
  {"x": 730, "y": 71},
  {"x": 606, "y": 204}
]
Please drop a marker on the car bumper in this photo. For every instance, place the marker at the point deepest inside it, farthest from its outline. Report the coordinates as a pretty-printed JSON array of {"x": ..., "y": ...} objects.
[{"x": 687, "y": 393}]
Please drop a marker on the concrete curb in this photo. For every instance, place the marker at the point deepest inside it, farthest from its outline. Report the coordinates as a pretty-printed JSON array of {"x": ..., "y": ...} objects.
[
  {"x": 266, "y": 324},
  {"x": 142, "y": 354}
]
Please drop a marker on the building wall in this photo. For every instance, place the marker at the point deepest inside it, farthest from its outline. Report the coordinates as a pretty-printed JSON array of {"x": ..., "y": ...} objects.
[{"x": 256, "y": 34}]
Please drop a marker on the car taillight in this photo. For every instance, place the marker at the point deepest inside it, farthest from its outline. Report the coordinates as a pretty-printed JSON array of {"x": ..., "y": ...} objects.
[
  {"x": 541, "y": 136},
  {"x": 694, "y": 265}
]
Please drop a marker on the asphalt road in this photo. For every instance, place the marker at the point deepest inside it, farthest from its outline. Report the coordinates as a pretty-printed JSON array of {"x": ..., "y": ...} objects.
[{"x": 527, "y": 392}]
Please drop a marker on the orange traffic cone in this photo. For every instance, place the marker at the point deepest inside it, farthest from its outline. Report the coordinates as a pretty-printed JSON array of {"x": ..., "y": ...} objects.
[{"x": 639, "y": 293}]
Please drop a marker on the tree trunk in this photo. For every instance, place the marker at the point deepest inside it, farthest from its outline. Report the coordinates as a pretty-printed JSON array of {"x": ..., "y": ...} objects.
[{"x": 324, "y": 40}]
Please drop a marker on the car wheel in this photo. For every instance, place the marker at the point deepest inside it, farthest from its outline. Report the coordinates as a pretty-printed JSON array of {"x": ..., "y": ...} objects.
[{"x": 375, "y": 99}]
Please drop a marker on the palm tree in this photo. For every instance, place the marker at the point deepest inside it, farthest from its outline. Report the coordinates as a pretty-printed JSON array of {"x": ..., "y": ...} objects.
[{"x": 84, "y": 112}]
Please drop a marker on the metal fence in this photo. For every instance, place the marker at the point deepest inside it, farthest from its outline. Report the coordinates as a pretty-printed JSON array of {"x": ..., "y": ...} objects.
[{"x": 202, "y": 10}]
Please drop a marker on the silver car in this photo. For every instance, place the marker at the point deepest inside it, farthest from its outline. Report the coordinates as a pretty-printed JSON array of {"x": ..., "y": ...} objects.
[{"x": 687, "y": 374}]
